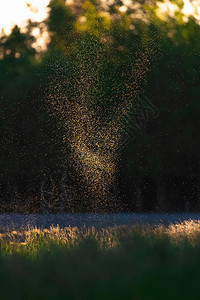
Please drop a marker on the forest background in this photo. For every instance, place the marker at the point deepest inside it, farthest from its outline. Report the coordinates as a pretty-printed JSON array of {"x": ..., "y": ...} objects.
[{"x": 158, "y": 166}]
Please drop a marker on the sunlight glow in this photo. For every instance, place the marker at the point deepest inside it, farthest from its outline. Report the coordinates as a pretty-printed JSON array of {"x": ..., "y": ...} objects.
[
  {"x": 123, "y": 9},
  {"x": 17, "y": 12},
  {"x": 165, "y": 9},
  {"x": 168, "y": 8},
  {"x": 192, "y": 8}
]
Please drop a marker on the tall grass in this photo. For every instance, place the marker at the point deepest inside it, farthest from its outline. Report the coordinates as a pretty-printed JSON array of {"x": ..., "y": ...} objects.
[{"x": 138, "y": 262}]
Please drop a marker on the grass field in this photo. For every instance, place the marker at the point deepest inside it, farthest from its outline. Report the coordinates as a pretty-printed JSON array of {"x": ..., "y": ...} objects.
[{"x": 138, "y": 262}]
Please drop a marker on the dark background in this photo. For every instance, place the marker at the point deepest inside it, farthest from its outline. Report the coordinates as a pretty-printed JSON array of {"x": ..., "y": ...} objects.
[{"x": 158, "y": 169}]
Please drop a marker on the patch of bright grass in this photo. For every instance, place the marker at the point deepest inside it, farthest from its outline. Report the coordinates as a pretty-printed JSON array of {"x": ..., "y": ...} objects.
[{"x": 141, "y": 263}]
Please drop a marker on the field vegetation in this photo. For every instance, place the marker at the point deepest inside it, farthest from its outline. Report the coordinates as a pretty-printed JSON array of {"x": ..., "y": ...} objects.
[{"x": 138, "y": 262}]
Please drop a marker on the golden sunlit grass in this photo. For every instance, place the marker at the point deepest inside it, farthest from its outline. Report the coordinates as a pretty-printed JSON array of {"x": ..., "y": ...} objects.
[
  {"x": 105, "y": 238},
  {"x": 137, "y": 262}
]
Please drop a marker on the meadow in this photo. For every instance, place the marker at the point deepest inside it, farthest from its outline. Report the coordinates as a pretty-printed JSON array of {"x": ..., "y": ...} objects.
[{"x": 135, "y": 262}]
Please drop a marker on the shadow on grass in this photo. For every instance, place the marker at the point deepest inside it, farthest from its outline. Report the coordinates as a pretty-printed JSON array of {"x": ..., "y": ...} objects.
[{"x": 114, "y": 263}]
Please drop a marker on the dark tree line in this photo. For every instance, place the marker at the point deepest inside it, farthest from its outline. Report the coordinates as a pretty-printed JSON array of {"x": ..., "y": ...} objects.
[{"x": 158, "y": 169}]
